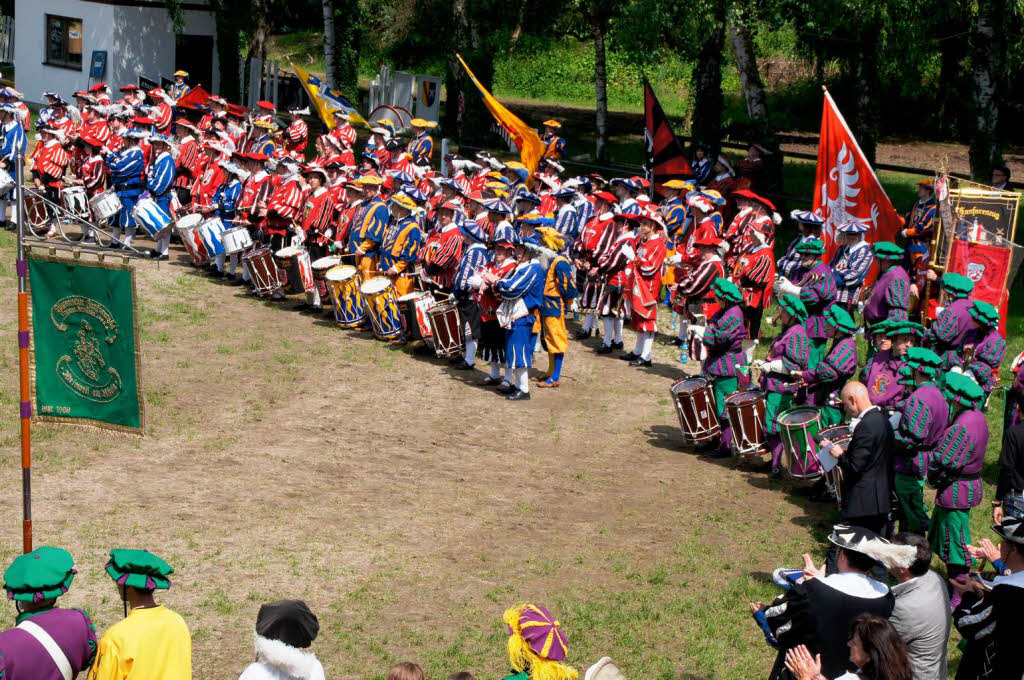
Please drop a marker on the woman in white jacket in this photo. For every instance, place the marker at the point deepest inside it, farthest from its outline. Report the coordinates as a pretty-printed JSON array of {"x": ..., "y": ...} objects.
[{"x": 284, "y": 630}]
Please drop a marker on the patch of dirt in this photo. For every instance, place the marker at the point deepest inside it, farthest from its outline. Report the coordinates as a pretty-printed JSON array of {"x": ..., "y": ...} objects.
[{"x": 287, "y": 458}]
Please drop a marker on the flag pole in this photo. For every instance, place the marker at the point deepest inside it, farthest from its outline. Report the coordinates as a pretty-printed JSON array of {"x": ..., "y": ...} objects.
[{"x": 23, "y": 339}]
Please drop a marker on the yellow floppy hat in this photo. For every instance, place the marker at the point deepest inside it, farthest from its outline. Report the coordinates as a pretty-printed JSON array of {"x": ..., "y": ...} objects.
[
  {"x": 551, "y": 123},
  {"x": 183, "y": 74},
  {"x": 551, "y": 238},
  {"x": 422, "y": 123}
]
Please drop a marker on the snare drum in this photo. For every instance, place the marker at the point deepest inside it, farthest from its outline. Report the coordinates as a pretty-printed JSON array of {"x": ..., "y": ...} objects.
[
  {"x": 105, "y": 205},
  {"x": 745, "y": 412},
  {"x": 415, "y": 307},
  {"x": 263, "y": 271},
  {"x": 151, "y": 216},
  {"x": 188, "y": 231},
  {"x": 75, "y": 201},
  {"x": 211, "y": 231},
  {"x": 235, "y": 240},
  {"x": 343, "y": 287},
  {"x": 320, "y": 267},
  {"x": 293, "y": 261},
  {"x": 446, "y": 328},
  {"x": 381, "y": 303},
  {"x": 840, "y": 436},
  {"x": 798, "y": 427},
  {"x": 6, "y": 182},
  {"x": 694, "y": 398}
]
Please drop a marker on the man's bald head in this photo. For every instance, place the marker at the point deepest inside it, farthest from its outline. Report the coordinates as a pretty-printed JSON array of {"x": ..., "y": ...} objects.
[{"x": 855, "y": 398}]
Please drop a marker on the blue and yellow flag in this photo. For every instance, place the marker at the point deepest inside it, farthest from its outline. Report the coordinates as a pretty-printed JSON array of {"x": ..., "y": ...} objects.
[
  {"x": 523, "y": 136},
  {"x": 325, "y": 100}
]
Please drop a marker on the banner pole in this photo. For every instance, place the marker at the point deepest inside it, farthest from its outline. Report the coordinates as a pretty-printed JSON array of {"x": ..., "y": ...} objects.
[{"x": 23, "y": 366}]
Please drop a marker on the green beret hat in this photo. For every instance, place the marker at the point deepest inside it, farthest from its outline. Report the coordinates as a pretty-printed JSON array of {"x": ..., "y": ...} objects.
[
  {"x": 812, "y": 246},
  {"x": 840, "y": 318},
  {"x": 957, "y": 284},
  {"x": 904, "y": 328},
  {"x": 924, "y": 360},
  {"x": 43, "y": 574},
  {"x": 139, "y": 569},
  {"x": 727, "y": 290},
  {"x": 963, "y": 390},
  {"x": 880, "y": 328},
  {"x": 794, "y": 306},
  {"x": 984, "y": 313},
  {"x": 887, "y": 250}
]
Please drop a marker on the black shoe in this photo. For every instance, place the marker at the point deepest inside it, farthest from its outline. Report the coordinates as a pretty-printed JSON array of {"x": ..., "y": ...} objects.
[
  {"x": 604, "y": 349},
  {"x": 518, "y": 395},
  {"x": 507, "y": 389},
  {"x": 616, "y": 345},
  {"x": 463, "y": 366},
  {"x": 630, "y": 356},
  {"x": 163, "y": 256},
  {"x": 582, "y": 334},
  {"x": 301, "y": 307},
  {"x": 640, "y": 362},
  {"x": 154, "y": 255},
  {"x": 677, "y": 342}
]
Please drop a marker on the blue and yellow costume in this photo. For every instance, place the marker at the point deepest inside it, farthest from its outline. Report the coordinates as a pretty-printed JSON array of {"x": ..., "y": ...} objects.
[
  {"x": 920, "y": 224},
  {"x": 421, "y": 148},
  {"x": 554, "y": 146},
  {"x": 369, "y": 230},
  {"x": 401, "y": 249},
  {"x": 559, "y": 290}
]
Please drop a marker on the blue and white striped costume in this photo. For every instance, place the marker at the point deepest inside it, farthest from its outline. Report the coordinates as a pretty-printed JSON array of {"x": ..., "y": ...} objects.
[
  {"x": 226, "y": 199},
  {"x": 474, "y": 258},
  {"x": 567, "y": 224},
  {"x": 850, "y": 265},
  {"x": 628, "y": 206},
  {"x": 160, "y": 179},
  {"x": 527, "y": 283},
  {"x": 127, "y": 172}
]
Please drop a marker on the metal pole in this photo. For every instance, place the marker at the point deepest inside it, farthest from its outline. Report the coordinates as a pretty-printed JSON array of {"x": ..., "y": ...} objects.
[
  {"x": 26, "y": 400},
  {"x": 274, "y": 88}
]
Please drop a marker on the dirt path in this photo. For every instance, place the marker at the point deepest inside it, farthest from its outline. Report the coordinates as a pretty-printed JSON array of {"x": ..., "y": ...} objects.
[{"x": 287, "y": 458}]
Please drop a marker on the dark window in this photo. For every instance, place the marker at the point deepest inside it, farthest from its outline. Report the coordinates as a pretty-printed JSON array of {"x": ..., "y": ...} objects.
[{"x": 63, "y": 41}]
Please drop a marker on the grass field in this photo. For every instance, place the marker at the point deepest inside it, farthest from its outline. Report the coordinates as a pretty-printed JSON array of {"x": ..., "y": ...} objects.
[{"x": 286, "y": 458}]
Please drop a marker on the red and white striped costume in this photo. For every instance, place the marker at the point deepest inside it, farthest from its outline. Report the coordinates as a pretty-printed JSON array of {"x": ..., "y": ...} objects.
[
  {"x": 318, "y": 217},
  {"x": 50, "y": 162},
  {"x": 695, "y": 287},
  {"x": 191, "y": 162},
  {"x": 94, "y": 174},
  {"x": 206, "y": 186},
  {"x": 296, "y": 137},
  {"x": 442, "y": 252},
  {"x": 284, "y": 206},
  {"x": 345, "y": 134},
  {"x": 643, "y": 298},
  {"x": 754, "y": 273},
  {"x": 162, "y": 117},
  {"x": 255, "y": 191}
]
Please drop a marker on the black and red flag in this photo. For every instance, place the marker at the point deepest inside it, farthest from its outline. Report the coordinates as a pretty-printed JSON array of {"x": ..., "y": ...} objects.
[{"x": 665, "y": 157}]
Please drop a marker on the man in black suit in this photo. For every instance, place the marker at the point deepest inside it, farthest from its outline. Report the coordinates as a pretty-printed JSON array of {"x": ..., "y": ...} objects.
[{"x": 866, "y": 463}]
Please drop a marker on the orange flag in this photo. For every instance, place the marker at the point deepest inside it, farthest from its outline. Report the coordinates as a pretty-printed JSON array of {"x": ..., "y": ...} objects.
[{"x": 523, "y": 136}]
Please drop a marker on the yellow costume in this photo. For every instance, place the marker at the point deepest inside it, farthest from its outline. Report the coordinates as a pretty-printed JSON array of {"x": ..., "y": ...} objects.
[{"x": 150, "y": 644}]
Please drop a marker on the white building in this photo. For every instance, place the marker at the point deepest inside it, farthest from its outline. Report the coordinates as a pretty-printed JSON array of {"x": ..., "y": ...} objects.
[{"x": 56, "y": 42}]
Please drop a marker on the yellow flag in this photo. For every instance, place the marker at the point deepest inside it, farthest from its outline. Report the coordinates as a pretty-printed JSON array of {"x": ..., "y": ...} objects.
[
  {"x": 525, "y": 137},
  {"x": 325, "y": 100}
]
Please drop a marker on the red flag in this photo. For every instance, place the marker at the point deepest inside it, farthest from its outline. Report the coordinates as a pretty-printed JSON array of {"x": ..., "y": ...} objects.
[
  {"x": 665, "y": 157},
  {"x": 846, "y": 188},
  {"x": 987, "y": 265},
  {"x": 194, "y": 98}
]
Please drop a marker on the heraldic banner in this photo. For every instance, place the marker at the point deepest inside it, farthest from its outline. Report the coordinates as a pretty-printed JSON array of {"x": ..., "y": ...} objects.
[
  {"x": 85, "y": 345},
  {"x": 987, "y": 265},
  {"x": 846, "y": 187}
]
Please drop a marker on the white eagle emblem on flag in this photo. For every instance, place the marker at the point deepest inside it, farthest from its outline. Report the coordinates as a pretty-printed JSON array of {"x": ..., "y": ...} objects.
[{"x": 846, "y": 178}]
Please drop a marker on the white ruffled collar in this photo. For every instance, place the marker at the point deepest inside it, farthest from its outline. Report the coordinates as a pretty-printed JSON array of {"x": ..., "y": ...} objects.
[
  {"x": 855, "y": 584},
  {"x": 291, "y": 661}
]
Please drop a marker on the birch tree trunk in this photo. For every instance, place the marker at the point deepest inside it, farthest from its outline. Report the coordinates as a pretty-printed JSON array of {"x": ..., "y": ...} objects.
[
  {"x": 746, "y": 62},
  {"x": 330, "y": 54},
  {"x": 987, "y": 57},
  {"x": 598, "y": 28}
]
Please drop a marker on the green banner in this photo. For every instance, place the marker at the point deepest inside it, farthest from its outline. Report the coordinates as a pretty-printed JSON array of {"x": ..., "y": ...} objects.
[{"x": 85, "y": 343}]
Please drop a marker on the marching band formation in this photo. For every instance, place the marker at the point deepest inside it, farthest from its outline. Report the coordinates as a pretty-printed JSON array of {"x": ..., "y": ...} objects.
[{"x": 482, "y": 262}]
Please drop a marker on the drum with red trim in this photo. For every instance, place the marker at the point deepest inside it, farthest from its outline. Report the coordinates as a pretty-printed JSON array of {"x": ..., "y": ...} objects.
[
  {"x": 745, "y": 412},
  {"x": 694, "y": 399}
]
